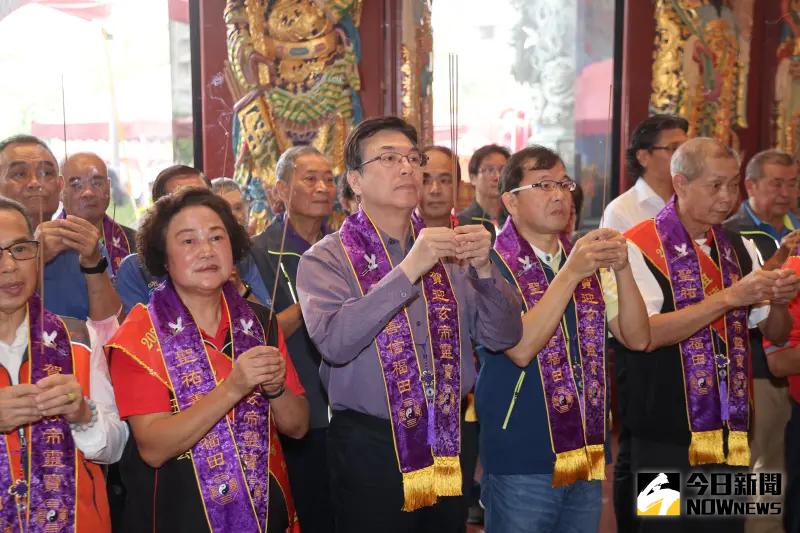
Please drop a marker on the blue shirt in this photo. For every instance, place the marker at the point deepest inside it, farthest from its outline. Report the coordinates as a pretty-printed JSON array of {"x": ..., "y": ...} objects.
[
  {"x": 65, "y": 290},
  {"x": 134, "y": 283},
  {"x": 790, "y": 223},
  {"x": 523, "y": 445}
]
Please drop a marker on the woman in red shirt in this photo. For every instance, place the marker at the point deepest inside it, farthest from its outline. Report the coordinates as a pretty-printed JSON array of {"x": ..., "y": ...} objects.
[{"x": 205, "y": 382}]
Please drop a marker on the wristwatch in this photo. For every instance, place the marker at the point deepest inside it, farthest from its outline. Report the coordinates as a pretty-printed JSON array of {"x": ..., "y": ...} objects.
[{"x": 99, "y": 268}]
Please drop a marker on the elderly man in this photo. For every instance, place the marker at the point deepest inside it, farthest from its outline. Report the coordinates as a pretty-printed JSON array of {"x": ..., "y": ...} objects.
[
  {"x": 307, "y": 188},
  {"x": 58, "y": 419},
  {"x": 703, "y": 288},
  {"x": 28, "y": 174},
  {"x": 766, "y": 219},
  {"x": 395, "y": 326}
]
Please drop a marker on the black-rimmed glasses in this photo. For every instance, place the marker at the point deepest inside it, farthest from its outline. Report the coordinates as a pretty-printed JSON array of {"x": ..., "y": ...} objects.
[{"x": 21, "y": 251}]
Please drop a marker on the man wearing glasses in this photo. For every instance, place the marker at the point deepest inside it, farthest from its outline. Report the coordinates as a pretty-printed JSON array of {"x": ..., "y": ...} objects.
[
  {"x": 543, "y": 404},
  {"x": 394, "y": 308},
  {"x": 58, "y": 419},
  {"x": 647, "y": 157},
  {"x": 766, "y": 219},
  {"x": 484, "y": 169},
  {"x": 85, "y": 195},
  {"x": 29, "y": 174}
]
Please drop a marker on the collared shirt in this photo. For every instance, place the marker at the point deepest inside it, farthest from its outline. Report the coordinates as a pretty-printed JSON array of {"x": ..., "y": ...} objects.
[
  {"x": 344, "y": 324},
  {"x": 651, "y": 291},
  {"x": 103, "y": 442},
  {"x": 267, "y": 254},
  {"x": 790, "y": 223},
  {"x": 638, "y": 203},
  {"x": 65, "y": 289},
  {"x": 134, "y": 283}
]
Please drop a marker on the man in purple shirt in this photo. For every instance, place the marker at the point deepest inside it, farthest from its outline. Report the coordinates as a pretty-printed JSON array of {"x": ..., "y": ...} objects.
[{"x": 394, "y": 308}]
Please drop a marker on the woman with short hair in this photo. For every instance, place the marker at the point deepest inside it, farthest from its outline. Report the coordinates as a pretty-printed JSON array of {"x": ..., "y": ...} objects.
[{"x": 205, "y": 382}]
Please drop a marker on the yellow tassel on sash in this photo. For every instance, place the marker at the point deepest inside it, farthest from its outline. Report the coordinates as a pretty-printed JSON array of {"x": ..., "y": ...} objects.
[
  {"x": 706, "y": 448},
  {"x": 448, "y": 476},
  {"x": 738, "y": 449},
  {"x": 570, "y": 467},
  {"x": 597, "y": 461},
  {"x": 419, "y": 488}
]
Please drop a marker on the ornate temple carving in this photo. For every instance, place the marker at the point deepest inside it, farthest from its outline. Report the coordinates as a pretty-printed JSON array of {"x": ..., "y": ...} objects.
[
  {"x": 701, "y": 62},
  {"x": 293, "y": 71}
]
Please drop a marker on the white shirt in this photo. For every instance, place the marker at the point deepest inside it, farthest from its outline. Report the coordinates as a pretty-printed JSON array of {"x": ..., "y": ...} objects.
[
  {"x": 638, "y": 203},
  {"x": 105, "y": 441},
  {"x": 651, "y": 291}
]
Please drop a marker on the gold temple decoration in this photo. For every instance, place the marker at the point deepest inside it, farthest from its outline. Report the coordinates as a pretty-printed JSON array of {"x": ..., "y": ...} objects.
[
  {"x": 701, "y": 62},
  {"x": 293, "y": 69},
  {"x": 416, "y": 68},
  {"x": 787, "y": 81}
]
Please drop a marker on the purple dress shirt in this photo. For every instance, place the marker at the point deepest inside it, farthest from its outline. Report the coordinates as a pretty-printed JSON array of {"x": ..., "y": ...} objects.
[{"x": 343, "y": 323}]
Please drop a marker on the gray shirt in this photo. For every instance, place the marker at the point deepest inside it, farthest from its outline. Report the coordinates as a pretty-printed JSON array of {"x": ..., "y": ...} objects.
[{"x": 343, "y": 323}]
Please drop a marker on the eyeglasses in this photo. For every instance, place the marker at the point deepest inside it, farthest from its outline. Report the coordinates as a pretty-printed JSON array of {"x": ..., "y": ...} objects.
[
  {"x": 671, "y": 148},
  {"x": 566, "y": 185},
  {"x": 21, "y": 251},
  {"x": 490, "y": 170},
  {"x": 96, "y": 182},
  {"x": 390, "y": 159}
]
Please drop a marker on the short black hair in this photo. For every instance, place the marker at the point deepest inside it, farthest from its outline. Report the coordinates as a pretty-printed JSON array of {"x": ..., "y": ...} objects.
[
  {"x": 481, "y": 153},
  {"x": 25, "y": 139},
  {"x": 577, "y": 200},
  {"x": 449, "y": 153},
  {"x": 543, "y": 159},
  {"x": 343, "y": 189},
  {"x": 151, "y": 238},
  {"x": 160, "y": 184},
  {"x": 369, "y": 127},
  {"x": 7, "y": 204},
  {"x": 646, "y": 135}
]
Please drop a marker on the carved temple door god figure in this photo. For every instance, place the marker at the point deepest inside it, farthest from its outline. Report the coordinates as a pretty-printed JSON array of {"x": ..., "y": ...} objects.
[
  {"x": 293, "y": 67},
  {"x": 701, "y": 62}
]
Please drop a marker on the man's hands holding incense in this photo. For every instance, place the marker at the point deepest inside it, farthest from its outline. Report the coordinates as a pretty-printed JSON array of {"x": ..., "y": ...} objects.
[
  {"x": 777, "y": 287},
  {"x": 601, "y": 248},
  {"x": 470, "y": 243}
]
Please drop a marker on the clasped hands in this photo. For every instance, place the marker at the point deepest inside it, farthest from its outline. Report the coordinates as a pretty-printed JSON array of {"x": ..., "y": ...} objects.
[
  {"x": 471, "y": 243},
  {"x": 56, "y": 395}
]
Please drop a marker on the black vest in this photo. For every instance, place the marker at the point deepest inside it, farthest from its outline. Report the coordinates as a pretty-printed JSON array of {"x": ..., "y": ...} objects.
[
  {"x": 167, "y": 499},
  {"x": 652, "y": 400}
]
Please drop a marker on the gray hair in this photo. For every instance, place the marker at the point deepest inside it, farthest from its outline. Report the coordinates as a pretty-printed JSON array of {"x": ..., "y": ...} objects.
[
  {"x": 25, "y": 139},
  {"x": 220, "y": 185},
  {"x": 286, "y": 163},
  {"x": 690, "y": 159},
  {"x": 755, "y": 168}
]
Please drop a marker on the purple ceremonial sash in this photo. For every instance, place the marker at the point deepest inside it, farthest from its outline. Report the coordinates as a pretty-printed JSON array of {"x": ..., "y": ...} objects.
[
  {"x": 576, "y": 422},
  {"x": 49, "y": 492},
  {"x": 710, "y": 401},
  {"x": 231, "y": 461},
  {"x": 115, "y": 241},
  {"x": 427, "y": 448}
]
